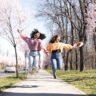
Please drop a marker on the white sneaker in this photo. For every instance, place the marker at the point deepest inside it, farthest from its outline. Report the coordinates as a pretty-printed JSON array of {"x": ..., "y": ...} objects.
[{"x": 28, "y": 75}]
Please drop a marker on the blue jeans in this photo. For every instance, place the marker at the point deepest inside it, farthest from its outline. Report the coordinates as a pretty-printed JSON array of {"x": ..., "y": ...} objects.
[
  {"x": 33, "y": 60},
  {"x": 56, "y": 60}
]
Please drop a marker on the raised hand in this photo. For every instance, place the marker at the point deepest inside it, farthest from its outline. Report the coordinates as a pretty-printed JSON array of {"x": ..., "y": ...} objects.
[
  {"x": 18, "y": 31},
  {"x": 78, "y": 45},
  {"x": 47, "y": 54}
]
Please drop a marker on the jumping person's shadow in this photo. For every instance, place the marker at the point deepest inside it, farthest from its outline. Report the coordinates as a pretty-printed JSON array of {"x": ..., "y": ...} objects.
[
  {"x": 39, "y": 94},
  {"x": 25, "y": 86}
]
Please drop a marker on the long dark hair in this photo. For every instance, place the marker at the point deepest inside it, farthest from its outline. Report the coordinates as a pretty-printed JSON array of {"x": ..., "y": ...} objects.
[
  {"x": 53, "y": 39},
  {"x": 35, "y": 31}
]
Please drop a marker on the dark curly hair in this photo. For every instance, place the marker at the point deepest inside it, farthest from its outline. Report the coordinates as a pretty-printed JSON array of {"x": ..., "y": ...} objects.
[
  {"x": 53, "y": 39},
  {"x": 35, "y": 31}
]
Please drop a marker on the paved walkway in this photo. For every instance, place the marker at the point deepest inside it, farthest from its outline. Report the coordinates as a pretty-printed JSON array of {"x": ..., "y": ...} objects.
[{"x": 42, "y": 84}]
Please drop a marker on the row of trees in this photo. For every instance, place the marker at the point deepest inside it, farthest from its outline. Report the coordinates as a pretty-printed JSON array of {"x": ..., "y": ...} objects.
[
  {"x": 12, "y": 17},
  {"x": 75, "y": 21}
]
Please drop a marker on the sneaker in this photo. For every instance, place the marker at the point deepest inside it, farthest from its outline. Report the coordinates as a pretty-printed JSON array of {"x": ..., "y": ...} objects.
[
  {"x": 28, "y": 75},
  {"x": 54, "y": 76},
  {"x": 37, "y": 71}
]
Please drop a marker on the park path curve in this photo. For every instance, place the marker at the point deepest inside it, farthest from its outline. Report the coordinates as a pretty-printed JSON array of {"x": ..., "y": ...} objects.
[{"x": 42, "y": 84}]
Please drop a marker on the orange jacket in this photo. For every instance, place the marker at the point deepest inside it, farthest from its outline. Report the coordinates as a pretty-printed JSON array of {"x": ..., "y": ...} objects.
[{"x": 56, "y": 46}]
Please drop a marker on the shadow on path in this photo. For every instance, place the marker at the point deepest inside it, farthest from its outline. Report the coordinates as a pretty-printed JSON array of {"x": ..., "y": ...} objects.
[
  {"x": 25, "y": 86},
  {"x": 39, "y": 94}
]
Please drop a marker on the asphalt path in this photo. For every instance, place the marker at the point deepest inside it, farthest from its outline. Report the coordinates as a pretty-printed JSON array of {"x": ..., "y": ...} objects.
[{"x": 42, "y": 84}]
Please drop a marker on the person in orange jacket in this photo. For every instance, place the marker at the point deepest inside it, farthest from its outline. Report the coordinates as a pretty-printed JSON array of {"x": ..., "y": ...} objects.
[{"x": 55, "y": 48}]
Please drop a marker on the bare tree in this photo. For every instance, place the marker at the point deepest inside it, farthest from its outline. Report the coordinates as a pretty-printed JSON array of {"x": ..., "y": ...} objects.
[
  {"x": 12, "y": 16},
  {"x": 69, "y": 16}
]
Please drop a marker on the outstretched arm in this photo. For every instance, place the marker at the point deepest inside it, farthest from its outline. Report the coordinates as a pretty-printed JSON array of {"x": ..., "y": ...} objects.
[
  {"x": 41, "y": 47},
  {"x": 67, "y": 46},
  {"x": 25, "y": 38},
  {"x": 76, "y": 45},
  {"x": 49, "y": 48}
]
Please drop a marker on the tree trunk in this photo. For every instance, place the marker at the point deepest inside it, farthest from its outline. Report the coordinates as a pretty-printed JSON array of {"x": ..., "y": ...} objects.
[
  {"x": 81, "y": 59},
  {"x": 17, "y": 75},
  {"x": 76, "y": 60},
  {"x": 72, "y": 39},
  {"x": 71, "y": 67},
  {"x": 66, "y": 63}
]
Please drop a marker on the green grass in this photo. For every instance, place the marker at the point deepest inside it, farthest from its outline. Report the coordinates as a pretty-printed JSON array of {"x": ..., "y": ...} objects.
[
  {"x": 85, "y": 81},
  {"x": 11, "y": 80}
]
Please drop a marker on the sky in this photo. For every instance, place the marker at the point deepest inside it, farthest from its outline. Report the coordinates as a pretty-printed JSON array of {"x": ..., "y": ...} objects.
[{"x": 31, "y": 5}]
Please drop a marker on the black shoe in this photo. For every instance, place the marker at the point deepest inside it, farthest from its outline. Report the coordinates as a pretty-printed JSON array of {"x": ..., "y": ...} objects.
[{"x": 54, "y": 76}]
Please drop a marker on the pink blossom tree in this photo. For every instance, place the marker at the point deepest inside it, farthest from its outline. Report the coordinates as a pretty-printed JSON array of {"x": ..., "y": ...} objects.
[
  {"x": 12, "y": 17},
  {"x": 91, "y": 21}
]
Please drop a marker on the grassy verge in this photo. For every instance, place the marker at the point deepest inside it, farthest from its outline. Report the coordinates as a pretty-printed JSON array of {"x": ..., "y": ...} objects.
[
  {"x": 11, "y": 80},
  {"x": 85, "y": 81}
]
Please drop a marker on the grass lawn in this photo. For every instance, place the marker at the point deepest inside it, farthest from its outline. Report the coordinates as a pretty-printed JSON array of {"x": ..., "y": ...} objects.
[
  {"x": 85, "y": 81},
  {"x": 11, "y": 80}
]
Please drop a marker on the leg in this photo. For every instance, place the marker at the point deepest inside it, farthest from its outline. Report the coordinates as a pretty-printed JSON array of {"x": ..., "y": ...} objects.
[
  {"x": 54, "y": 65},
  {"x": 39, "y": 64},
  {"x": 59, "y": 61},
  {"x": 36, "y": 62},
  {"x": 30, "y": 64}
]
